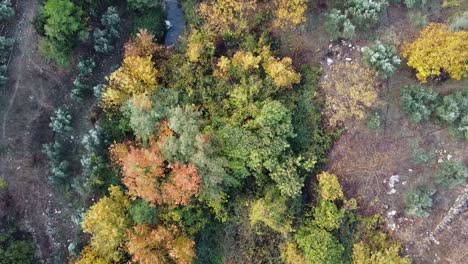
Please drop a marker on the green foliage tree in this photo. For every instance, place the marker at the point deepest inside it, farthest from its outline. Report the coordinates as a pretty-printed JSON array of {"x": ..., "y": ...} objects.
[
  {"x": 460, "y": 22},
  {"x": 327, "y": 216},
  {"x": 5, "y": 47},
  {"x": 451, "y": 174},
  {"x": 60, "y": 122},
  {"x": 418, "y": 102},
  {"x": 318, "y": 245},
  {"x": 365, "y": 13},
  {"x": 3, "y": 75},
  {"x": 103, "y": 39},
  {"x": 82, "y": 83},
  {"x": 418, "y": 201},
  {"x": 63, "y": 23},
  {"x": 382, "y": 58},
  {"x": 6, "y": 10},
  {"x": 14, "y": 248},
  {"x": 141, "y": 5},
  {"x": 141, "y": 212},
  {"x": 415, "y": 3},
  {"x": 58, "y": 166},
  {"x": 338, "y": 25}
]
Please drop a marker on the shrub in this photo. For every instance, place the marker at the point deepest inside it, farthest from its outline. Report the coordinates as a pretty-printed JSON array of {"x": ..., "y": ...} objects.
[
  {"x": 81, "y": 86},
  {"x": 153, "y": 21},
  {"x": 421, "y": 156},
  {"x": 3, "y": 75},
  {"x": 451, "y": 174},
  {"x": 60, "y": 121},
  {"x": 418, "y": 102},
  {"x": 453, "y": 109},
  {"x": 6, "y": 10},
  {"x": 338, "y": 25},
  {"x": 141, "y": 5},
  {"x": 319, "y": 246},
  {"x": 419, "y": 20},
  {"x": 103, "y": 39},
  {"x": 14, "y": 248},
  {"x": 141, "y": 212},
  {"x": 58, "y": 167},
  {"x": 418, "y": 202},
  {"x": 374, "y": 121},
  {"x": 365, "y": 13},
  {"x": 5, "y": 47},
  {"x": 415, "y": 3},
  {"x": 382, "y": 58},
  {"x": 460, "y": 22}
]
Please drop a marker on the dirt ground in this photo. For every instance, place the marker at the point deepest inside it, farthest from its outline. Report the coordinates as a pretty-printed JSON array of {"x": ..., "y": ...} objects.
[{"x": 366, "y": 159}]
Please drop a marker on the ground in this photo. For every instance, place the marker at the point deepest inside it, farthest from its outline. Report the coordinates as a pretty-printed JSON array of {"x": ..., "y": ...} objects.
[{"x": 366, "y": 159}]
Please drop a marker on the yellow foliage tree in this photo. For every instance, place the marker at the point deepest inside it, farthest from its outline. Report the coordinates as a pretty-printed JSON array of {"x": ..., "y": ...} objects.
[
  {"x": 289, "y": 13},
  {"x": 329, "y": 187},
  {"x": 107, "y": 222},
  {"x": 438, "y": 49},
  {"x": 89, "y": 256},
  {"x": 291, "y": 254},
  {"x": 281, "y": 71},
  {"x": 349, "y": 90},
  {"x": 363, "y": 255},
  {"x": 226, "y": 16},
  {"x": 199, "y": 46},
  {"x": 136, "y": 76}
]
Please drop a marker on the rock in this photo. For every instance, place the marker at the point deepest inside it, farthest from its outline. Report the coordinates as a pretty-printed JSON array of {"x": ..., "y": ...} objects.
[
  {"x": 348, "y": 59},
  {"x": 391, "y": 213},
  {"x": 449, "y": 157},
  {"x": 329, "y": 61},
  {"x": 410, "y": 170},
  {"x": 393, "y": 179}
]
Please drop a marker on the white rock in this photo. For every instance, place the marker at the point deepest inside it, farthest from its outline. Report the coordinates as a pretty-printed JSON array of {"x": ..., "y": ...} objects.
[
  {"x": 350, "y": 45},
  {"x": 392, "y": 191},
  {"x": 391, "y": 213},
  {"x": 440, "y": 161},
  {"x": 410, "y": 170},
  {"x": 393, "y": 179},
  {"x": 329, "y": 61},
  {"x": 449, "y": 157},
  {"x": 348, "y": 59}
]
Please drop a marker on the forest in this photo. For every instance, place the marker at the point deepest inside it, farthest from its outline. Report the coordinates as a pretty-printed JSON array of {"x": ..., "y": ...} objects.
[{"x": 234, "y": 131}]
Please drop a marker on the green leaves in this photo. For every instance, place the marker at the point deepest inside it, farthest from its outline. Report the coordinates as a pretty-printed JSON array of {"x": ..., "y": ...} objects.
[
  {"x": 382, "y": 58},
  {"x": 418, "y": 102},
  {"x": 418, "y": 202}
]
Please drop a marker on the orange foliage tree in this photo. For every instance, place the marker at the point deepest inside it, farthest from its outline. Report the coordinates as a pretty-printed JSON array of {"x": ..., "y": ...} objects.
[
  {"x": 149, "y": 245},
  {"x": 142, "y": 45},
  {"x": 146, "y": 176}
]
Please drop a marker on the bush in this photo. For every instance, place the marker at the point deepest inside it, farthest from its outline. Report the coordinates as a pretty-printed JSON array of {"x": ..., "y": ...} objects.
[
  {"x": 5, "y": 48},
  {"x": 338, "y": 25},
  {"x": 460, "y": 22},
  {"x": 15, "y": 248},
  {"x": 365, "y": 13},
  {"x": 60, "y": 121},
  {"x": 81, "y": 86},
  {"x": 58, "y": 167},
  {"x": 142, "y": 5},
  {"x": 415, "y": 3},
  {"x": 418, "y": 20},
  {"x": 382, "y": 58},
  {"x": 374, "y": 121},
  {"x": 418, "y": 102},
  {"x": 418, "y": 202},
  {"x": 153, "y": 21},
  {"x": 6, "y": 10},
  {"x": 141, "y": 212},
  {"x": 421, "y": 156},
  {"x": 451, "y": 174},
  {"x": 3, "y": 75},
  {"x": 104, "y": 39}
]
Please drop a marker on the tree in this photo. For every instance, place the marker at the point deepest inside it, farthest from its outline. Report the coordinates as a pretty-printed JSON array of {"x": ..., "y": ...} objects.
[
  {"x": 319, "y": 246},
  {"x": 6, "y": 10},
  {"x": 227, "y": 16},
  {"x": 418, "y": 102},
  {"x": 156, "y": 245},
  {"x": 438, "y": 50},
  {"x": 89, "y": 256},
  {"x": 289, "y": 13},
  {"x": 271, "y": 210},
  {"x": 451, "y": 174},
  {"x": 281, "y": 71},
  {"x": 365, "y": 13},
  {"x": 329, "y": 187},
  {"x": 103, "y": 39},
  {"x": 60, "y": 122},
  {"x": 107, "y": 222},
  {"x": 63, "y": 22},
  {"x": 141, "y": 5},
  {"x": 136, "y": 76},
  {"x": 291, "y": 254},
  {"x": 460, "y": 22},
  {"x": 142, "y": 45},
  {"x": 338, "y": 25},
  {"x": 200, "y": 47},
  {"x": 418, "y": 201},
  {"x": 5, "y": 47},
  {"x": 382, "y": 58},
  {"x": 349, "y": 92},
  {"x": 391, "y": 255},
  {"x": 327, "y": 216}
]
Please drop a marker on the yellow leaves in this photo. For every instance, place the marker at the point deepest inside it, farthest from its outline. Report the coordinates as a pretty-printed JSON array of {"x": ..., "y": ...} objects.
[
  {"x": 89, "y": 256},
  {"x": 246, "y": 60},
  {"x": 107, "y": 222},
  {"x": 329, "y": 187},
  {"x": 289, "y": 13},
  {"x": 291, "y": 254},
  {"x": 136, "y": 76},
  {"x": 226, "y": 16},
  {"x": 199, "y": 45},
  {"x": 281, "y": 71},
  {"x": 438, "y": 49},
  {"x": 142, "y": 45},
  {"x": 349, "y": 91}
]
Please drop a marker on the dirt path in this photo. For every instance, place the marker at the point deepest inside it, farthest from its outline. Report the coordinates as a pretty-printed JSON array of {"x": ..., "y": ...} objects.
[{"x": 25, "y": 109}]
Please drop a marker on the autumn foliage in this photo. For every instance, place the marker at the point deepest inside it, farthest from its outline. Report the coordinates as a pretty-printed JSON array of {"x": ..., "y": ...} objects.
[
  {"x": 159, "y": 245},
  {"x": 142, "y": 45},
  {"x": 438, "y": 50},
  {"x": 146, "y": 175},
  {"x": 289, "y": 13}
]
